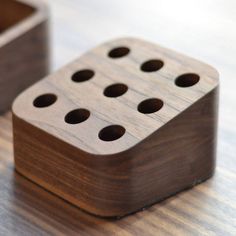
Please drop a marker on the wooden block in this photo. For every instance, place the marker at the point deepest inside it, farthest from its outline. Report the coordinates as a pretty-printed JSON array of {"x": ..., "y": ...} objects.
[
  {"x": 23, "y": 47},
  {"x": 125, "y": 126}
]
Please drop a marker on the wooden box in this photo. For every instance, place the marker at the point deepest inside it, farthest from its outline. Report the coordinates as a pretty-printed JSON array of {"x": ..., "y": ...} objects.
[
  {"x": 23, "y": 47},
  {"x": 125, "y": 126}
]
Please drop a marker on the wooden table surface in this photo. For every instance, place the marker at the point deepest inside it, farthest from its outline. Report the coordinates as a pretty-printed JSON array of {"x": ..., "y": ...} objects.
[{"x": 203, "y": 29}]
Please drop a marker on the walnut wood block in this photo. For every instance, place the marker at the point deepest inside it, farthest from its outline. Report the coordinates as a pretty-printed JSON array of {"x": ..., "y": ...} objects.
[
  {"x": 127, "y": 125},
  {"x": 23, "y": 47}
]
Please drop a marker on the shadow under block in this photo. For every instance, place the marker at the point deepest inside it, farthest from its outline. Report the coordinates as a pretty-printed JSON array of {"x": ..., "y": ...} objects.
[
  {"x": 23, "y": 47},
  {"x": 127, "y": 125}
]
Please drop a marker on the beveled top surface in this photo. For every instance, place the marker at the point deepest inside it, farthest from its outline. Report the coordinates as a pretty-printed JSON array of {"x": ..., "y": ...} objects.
[{"x": 122, "y": 110}]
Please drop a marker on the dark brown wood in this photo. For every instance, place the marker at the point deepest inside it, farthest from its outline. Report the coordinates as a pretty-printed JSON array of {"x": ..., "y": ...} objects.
[
  {"x": 24, "y": 54},
  {"x": 185, "y": 25},
  {"x": 128, "y": 124}
]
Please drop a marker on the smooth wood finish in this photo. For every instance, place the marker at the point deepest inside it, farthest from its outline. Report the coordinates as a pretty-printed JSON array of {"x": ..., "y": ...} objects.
[
  {"x": 24, "y": 55},
  {"x": 145, "y": 128},
  {"x": 202, "y": 29}
]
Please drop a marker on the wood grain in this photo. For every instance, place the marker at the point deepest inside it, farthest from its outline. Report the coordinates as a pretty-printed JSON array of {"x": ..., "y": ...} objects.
[
  {"x": 202, "y": 29},
  {"x": 24, "y": 54},
  {"x": 150, "y": 135}
]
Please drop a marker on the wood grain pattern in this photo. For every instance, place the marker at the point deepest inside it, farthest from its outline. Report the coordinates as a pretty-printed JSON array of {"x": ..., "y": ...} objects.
[
  {"x": 24, "y": 55},
  {"x": 202, "y": 29},
  {"x": 165, "y": 105}
]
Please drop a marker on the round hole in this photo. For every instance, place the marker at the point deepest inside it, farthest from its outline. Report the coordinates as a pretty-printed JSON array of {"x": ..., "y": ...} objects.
[
  {"x": 152, "y": 65},
  {"x": 187, "y": 80},
  {"x": 45, "y": 100},
  {"x": 111, "y": 133},
  {"x": 119, "y": 52},
  {"x": 77, "y": 116},
  {"x": 115, "y": 90},
  {"x": 83, "y": 75},
  {"x": 150, "y": 106}
]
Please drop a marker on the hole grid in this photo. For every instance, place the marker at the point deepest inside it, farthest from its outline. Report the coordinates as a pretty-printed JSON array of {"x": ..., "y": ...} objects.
[{"x": 148, "y": 106}]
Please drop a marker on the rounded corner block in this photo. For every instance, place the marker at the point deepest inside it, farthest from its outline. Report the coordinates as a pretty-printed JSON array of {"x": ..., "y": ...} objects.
[{"x": 126, "y": 125}]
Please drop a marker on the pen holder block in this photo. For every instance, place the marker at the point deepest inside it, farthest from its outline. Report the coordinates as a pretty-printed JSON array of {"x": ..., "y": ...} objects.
[{"x": 128, "y": 124}]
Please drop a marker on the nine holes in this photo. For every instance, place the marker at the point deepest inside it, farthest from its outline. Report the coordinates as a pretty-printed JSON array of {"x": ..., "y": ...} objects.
[
  {"x": 45, "y": 100},
  {"x": 77, "y": 116},
  {"x": 115, "y": 90},
  {"x": 83, "y": 75},
  {"x": 111, "y": 133},
  {"x": 114, "y": 132},
  {"x": 119, "y": 52}
]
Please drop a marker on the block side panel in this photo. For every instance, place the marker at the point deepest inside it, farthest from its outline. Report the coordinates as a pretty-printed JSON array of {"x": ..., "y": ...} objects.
[
  {"x": 97, "y": 184},
  {"x": 176, "y": 157},
  {"x": 23, "y": 61}
]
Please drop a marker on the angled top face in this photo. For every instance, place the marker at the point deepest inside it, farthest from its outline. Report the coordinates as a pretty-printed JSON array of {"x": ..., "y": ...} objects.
[
  {"x": 19, "y": 16},
  {"x": 115, "y": 96}
]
